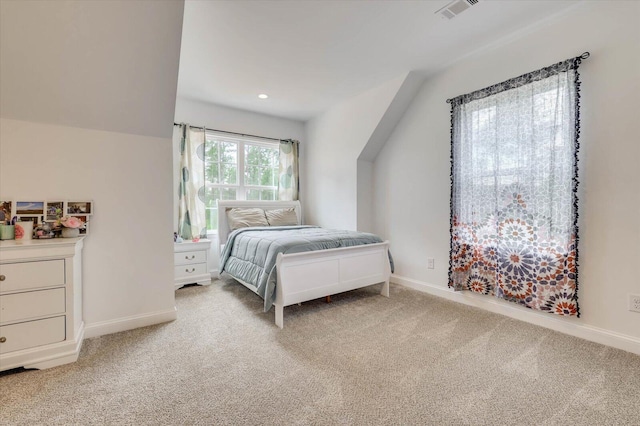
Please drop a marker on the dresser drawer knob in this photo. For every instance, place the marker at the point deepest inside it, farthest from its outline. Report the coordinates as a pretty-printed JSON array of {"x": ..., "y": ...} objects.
[
  {"x": 190, "y": 271},
  {"x": 3, "y": 339},
  {"x": 2, "y": 278},
  {"x": 190, "y": 257}
]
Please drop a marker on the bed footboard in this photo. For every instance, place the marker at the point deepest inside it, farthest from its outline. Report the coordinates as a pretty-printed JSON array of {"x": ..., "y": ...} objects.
[{"x": 315, "y": 274}]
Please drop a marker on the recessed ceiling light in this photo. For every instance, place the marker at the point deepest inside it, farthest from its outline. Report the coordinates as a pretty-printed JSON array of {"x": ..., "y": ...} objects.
[{"x": 263, "y": 96}]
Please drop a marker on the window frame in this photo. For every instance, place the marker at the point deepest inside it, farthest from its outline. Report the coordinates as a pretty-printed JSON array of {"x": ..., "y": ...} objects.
[{"x": 240, "y": 187}]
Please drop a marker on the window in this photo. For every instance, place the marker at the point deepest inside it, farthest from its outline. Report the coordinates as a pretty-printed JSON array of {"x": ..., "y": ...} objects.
[
  {"x": 514, "y": 182},
  {"x": 238, "y": 169}
]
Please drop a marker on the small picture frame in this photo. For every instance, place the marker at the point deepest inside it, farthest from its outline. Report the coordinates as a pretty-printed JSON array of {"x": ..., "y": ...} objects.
[
  {"x": 53, "y": 210},
  {"x": 83, "y": 208},
  {"x": 30, "y": 208},
  {"x": 6, "y": 211}
]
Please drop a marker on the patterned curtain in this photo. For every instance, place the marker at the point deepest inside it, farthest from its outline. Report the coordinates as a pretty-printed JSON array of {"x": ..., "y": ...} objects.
[
  {"x": 288, "y": 181},
  {"x": 191, "y": 210},
  {"x": 514, "y": 178}
]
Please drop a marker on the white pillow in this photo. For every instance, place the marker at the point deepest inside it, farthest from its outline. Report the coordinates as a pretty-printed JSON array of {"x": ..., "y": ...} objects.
[
  {"x": 282, "y": 217},
  {"x": 243, "y": 218}
]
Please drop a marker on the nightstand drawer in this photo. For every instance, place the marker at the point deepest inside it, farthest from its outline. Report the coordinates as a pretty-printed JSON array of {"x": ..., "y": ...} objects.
[
  {"x": 27, "y": 275},
  {"x": 189, "y": 257},
  {"x": 31, "y": 304},
  {"x": 31, "y": 334},
  {"x": 185, "y": 271}
]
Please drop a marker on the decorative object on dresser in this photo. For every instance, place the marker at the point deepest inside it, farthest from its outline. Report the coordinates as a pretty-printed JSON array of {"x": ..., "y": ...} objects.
[
  {"x": 70, "y": 226},
  {"x": 7, "y": 232},
  {"x": 47, "y": 216},
  {"x": 191, "y": 263},
  {"x": 41, "y": 322}
]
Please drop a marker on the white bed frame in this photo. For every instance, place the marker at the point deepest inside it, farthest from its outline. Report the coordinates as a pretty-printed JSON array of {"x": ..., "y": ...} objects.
[{"x": 311, "y": 275}]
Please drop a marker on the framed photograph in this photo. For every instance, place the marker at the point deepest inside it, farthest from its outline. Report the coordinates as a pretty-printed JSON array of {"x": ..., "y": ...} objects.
[
  {"x": 6, "y": 210},
  {"x": 30, "y": 208},
  {"x": 79, "y": 208},
  {"x": 54, "y": 209}
]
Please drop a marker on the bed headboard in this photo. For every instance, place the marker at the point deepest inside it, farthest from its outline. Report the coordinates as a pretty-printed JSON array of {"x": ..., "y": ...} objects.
[{"x": 223, "y": 205}]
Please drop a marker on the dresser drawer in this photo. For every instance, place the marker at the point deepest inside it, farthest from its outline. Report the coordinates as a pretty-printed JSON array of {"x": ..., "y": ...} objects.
[
  {"x": 185, "y": 271},
  {"x": 27, "y": 275},
  {"x": 189, "y": 257},
  {"x": 31, "y": 304},
  {"x": 32, "y": 333}
]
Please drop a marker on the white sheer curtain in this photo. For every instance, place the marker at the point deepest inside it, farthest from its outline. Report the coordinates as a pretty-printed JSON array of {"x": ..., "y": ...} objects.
[
  {"x": 191, "y": 208},
  {"x": 514, "y": 181}
]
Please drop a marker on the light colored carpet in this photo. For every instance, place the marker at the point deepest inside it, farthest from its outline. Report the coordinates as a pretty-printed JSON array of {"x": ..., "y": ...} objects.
[{"x": 363, "y": 359}]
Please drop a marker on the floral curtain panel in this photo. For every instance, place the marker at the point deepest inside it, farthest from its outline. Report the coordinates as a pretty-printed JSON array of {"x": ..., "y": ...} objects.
[
  {"x": 288, "y": 182},
  {"x": 191, "y": 208},
  {"x": 514, "y": 179}
]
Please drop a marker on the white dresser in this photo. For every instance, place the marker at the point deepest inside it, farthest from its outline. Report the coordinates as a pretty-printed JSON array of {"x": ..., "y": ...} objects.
[
  {"x": 40, "y": 302},
  {"x": 191, "y": 263}
]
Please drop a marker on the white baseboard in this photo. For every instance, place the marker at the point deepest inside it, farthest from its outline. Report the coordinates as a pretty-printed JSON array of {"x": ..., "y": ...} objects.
[
  {"x": 214, "y": 274},
  {"x": 129, "y": 323},
  {"x": 570, "y": 326}
]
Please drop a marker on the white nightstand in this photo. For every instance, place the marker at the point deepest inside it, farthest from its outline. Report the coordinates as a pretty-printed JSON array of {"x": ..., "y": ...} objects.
[{"x": 191, "y": 263}]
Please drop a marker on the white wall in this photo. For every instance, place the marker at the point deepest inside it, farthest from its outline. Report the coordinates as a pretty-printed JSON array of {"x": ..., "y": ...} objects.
[
  {"x": 411, "y": 173},
  {"x": 335, "y": 140},
  {"x": 128, "y": 254},
  {"x": 218, "y": 117},
  {"x": 88, "y": 94}
]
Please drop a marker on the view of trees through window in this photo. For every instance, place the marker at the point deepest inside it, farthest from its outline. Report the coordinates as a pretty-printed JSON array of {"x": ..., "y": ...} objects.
[{"x": 237, "y": 169}]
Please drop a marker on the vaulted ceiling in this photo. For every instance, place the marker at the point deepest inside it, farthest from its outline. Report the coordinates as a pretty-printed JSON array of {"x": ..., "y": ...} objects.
[
  {"x": 310, "y": 55},
  {"x": 112, "y": 65}
]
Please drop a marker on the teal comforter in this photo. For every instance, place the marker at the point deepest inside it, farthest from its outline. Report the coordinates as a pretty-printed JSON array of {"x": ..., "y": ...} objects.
[{"x": 250, "y": 253}]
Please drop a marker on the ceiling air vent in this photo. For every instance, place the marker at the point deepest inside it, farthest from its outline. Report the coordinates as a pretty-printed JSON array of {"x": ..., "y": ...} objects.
[{"x": 455, "y": 8}]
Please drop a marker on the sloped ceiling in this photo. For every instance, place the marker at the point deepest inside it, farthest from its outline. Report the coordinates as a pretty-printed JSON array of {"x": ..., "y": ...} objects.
[
  {"x": 311, "y": 55},
  {"x": 106, "y": 65}
]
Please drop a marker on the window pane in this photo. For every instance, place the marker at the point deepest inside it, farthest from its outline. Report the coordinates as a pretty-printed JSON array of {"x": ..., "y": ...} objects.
[
  {"x": 268, "y": 194},
  {"x": 251, "y": 154},
  {"x": 229, "y": 152},
  {"x": 266, "y": 177},
  {"x": 212, "y": 218},
  {"x": 211, "y": 161},
  {"x": 211, "y": 150},
  {"x": 210, "y": 197},
  {"x": 253, "y": 194},
  {"x": 213, "y": 194},
  {"x": 252, "y": 175},
  {"x": 211, "y": 172},
  {"x": 229, "y": 173},
  {"x": 261, "y": 155},
  {"x": 261, "y": 194},
  {"x": 228, "y": 194}
]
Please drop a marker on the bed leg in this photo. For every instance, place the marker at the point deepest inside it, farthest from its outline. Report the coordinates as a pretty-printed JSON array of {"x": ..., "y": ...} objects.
[
  {"x": 279, "y": 315},
  {"x": 328, "y": 299},
  {"x": 385, "y": 289}
]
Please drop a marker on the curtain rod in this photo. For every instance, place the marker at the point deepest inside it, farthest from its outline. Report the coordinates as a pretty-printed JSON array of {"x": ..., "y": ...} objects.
[
  {"x": 571, "y": 63},
  {"x": 231, "y": 133}
]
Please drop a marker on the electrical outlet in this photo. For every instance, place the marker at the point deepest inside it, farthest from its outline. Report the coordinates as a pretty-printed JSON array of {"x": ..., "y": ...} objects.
[
  {"x": 430, "y": 264},
  {"x": 634, "y": 302}
]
